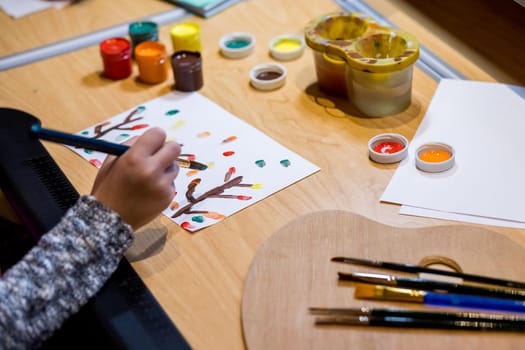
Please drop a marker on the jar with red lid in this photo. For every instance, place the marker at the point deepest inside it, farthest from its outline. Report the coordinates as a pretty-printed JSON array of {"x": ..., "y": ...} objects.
[{"x": 116, "y": 57}]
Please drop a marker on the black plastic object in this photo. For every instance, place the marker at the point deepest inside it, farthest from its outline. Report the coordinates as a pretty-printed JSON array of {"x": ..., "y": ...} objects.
[{"x": 123, "y": 314}]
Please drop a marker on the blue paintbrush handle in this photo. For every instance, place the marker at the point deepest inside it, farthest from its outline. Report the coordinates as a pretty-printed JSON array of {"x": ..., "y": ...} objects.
[
  {"x": 79, "y": 141},
  {"x": 97, "y": 145},
  {"x": 474, "y": 302}
]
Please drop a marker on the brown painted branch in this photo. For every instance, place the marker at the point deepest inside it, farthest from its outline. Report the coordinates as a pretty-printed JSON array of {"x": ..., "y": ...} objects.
[
  {"x": 129, "y": 119},
  {"x": 214, "y": 191}
]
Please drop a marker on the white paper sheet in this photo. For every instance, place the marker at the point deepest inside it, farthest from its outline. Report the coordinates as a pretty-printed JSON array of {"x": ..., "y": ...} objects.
[{"x": 485, "y": 123}]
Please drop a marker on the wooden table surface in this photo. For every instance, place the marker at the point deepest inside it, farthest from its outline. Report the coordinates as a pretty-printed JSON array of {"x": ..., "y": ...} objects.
[{"x": 198, "y": 278}]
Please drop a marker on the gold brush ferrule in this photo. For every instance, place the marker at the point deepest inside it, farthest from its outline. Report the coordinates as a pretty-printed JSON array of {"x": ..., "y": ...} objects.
[
  {"x": 400, "y": 294},
  {"x": 379, "y": 292}
]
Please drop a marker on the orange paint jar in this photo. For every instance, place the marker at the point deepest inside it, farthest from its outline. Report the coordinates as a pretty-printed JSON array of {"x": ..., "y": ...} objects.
[{"x": 152, "y": 62}]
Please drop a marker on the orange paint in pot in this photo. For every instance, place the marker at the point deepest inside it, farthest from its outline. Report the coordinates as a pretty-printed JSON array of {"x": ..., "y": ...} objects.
[
  {"x": 152, "y": 61},
  {"x": 435, "y": 155}
]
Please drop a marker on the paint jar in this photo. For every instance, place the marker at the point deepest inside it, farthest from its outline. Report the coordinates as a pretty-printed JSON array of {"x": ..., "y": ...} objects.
[
  {"x": 142, "y": 31},
  {"x": 237, "y": 44},
  {"x": 435, "y": 157},
  {"x": 186, "y": 37},
  {"x": 375, "y": 62},
  {"x": 387, "y": 148},
  {"x": 116, "y": 57},
  {"x": 187, "y": 70},
  {"x": 152, "y": 62},
  {"x": 268, "y": 76},
  {"x": 287, "y": 47}
]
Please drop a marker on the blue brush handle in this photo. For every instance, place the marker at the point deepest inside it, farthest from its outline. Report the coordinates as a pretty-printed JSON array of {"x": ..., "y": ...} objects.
[
  {"x": 474, "y": 302},
  {"x": 78, "y": 141}
]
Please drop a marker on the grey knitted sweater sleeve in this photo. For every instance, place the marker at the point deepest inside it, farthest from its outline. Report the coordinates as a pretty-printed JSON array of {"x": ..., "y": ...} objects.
[{"x": 55, "y": 278}]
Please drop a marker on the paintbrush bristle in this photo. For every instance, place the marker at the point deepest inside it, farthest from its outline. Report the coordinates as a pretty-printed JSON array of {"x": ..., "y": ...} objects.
[
  {"x": 367, "y": 291},
  {"x": 378, "y": 292}
]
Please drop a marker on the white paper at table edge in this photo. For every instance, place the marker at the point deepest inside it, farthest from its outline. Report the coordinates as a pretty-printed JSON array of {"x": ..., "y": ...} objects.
[{"x": 436, "y": 214}]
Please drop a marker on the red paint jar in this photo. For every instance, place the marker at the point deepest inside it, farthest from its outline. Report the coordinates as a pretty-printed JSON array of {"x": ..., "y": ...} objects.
[{"x": 116, "y": 57}]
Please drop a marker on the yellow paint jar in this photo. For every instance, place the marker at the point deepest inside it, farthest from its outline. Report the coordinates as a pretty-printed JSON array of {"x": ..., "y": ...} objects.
[
  {"x": 186, "y": 37},
  {"x": 152, "y": 62}
]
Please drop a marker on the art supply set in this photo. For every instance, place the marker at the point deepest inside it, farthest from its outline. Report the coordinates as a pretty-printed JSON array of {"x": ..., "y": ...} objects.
[
  {"x": 269, "y": 75},
  {"x": 152, "y": 58},
  {"x": 371, "y": 66},
  {"x": 479, "y": 302}
]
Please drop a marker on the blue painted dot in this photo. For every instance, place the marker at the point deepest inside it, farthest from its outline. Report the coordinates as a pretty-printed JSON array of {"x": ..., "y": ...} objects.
[
  {"x": 285, "y": 163},
  {"x": 198, "y": 218},
  {"x": 172, "y": 112}
]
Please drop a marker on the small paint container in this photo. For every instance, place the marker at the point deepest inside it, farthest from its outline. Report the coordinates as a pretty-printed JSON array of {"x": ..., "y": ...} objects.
[
  {"x": 186, "y": 36},
  {"x": 287, "y": 47},
  {"x": 388, "y": 148},
  {"x": 268, "y": 76},
  {"x": 237, "y": 44},
  {"x": 142, "y": 31},
  {"x": 152, "y": 62},
  {"x": 187, "y": 70},
  {"x": 116, "y": 57},
  {"x": 435, "y": 157}
]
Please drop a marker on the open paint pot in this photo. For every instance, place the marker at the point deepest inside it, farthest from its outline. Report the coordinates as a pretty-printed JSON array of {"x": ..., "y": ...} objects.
[
  {"x": 374, "y": 62},
  {"x": 435, "y": 157},
  {"x": 268, "y": 76},
  {"x": 287, "y": 47},
  {"x": 388, "y": 148},
  {"x": 237, "y": 44}
]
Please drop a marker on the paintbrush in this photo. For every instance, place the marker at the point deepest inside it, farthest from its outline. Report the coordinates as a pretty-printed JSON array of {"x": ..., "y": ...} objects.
[
  {"x": 425, "y": 324},
  {"x": 419, "y": 269},
  {"x": 97, "y": 145},
  {"x": 386, "y": 293},
  {"x": 405, "y": 318},
  {"x": 431, "y": 285},
  {"x": 418, "y": 314}
]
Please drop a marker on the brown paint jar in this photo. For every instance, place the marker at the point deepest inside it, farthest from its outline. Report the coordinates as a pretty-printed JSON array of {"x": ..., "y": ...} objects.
[{"x": 187, "y": 70}]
